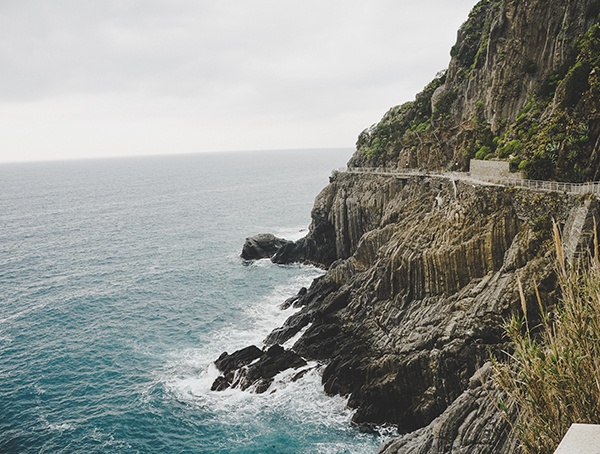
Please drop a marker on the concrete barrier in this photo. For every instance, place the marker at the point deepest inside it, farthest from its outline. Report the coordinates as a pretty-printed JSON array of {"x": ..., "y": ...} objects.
[
  {"x": 489, "y": 169},
  {"x": 580, "y": 439}
]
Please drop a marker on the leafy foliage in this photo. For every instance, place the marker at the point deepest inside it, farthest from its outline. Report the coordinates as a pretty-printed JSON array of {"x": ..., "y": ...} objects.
[{"x": 400, "y": 126}]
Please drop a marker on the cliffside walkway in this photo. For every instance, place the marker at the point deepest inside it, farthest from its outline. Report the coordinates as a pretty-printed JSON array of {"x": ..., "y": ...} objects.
[{"x": 592, "y": 187}]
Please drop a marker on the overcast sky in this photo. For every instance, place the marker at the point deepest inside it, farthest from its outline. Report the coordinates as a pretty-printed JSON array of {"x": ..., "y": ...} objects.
[{"x": 89, "y": 78}]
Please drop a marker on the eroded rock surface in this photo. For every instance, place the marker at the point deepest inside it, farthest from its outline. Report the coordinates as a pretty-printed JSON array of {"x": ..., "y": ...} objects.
[
  {"x": 471, "y": 424},
  {"x": 262, "y": 246},
  {"x": 414, "y": 300}
]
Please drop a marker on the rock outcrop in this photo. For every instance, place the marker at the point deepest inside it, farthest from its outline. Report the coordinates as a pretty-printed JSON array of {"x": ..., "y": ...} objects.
[
  {"x": 263, "y": 246},
  {"x": 425, "y": 273},
  {"x": 422, "y": 271},
  {"x": 469, "y": 425},
  {"x": 523, "y": 85},
  {"x": 252, "y": 367}
]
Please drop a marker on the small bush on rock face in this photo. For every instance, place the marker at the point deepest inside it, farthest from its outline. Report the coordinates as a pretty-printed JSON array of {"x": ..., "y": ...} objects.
[
  {"x": 483, "y": 152},
  {"x": 512, "y": 147},
  {"x": 553, "y": 374}
]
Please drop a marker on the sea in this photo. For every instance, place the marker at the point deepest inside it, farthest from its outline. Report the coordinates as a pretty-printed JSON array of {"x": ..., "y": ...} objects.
[{"x": 121, "y": 283}]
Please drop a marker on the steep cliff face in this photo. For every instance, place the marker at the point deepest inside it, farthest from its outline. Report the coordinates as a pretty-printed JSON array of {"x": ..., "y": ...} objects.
[
  {"x": 422, "y": 271},
  {"x": 406, "y": 319},
  {"x": 522, "y": 85}
]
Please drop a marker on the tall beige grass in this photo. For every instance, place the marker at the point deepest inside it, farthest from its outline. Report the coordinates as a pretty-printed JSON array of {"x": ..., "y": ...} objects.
[{"x": 553, "y": 376}]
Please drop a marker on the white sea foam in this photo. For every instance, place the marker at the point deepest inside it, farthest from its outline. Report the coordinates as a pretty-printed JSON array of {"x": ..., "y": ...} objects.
[
  {"x": 61, "y": 427},
  {"x": 299, "y": 403},
  {"x": 304, "y": 396},
  {"x": 291, "y": 233},
  {"x": 54, "y": 426},
  {"x": 23, "y": 312},
  {"x": 259, "y": 318}
]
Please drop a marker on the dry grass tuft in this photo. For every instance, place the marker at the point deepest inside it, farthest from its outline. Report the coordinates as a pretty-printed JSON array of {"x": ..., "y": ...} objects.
[{"x": 553, "y": 376}]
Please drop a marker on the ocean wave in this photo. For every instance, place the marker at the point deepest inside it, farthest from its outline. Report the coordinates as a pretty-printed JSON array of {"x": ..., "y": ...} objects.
[
  {"x": 291, "y": 233},
  {"x": 298, "y": 407}
]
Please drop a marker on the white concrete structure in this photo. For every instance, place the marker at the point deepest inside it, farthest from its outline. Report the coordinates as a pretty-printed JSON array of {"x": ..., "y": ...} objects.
[
  {"x": 489, "y": 169},
  {"x": 580, "y": 439}
]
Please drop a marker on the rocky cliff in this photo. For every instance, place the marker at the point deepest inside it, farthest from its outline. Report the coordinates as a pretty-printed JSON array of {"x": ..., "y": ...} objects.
[
  {"x": 523, "y": 85},
  {"x": 405, "y": 319},
  {"x": 422, "y": 270}
]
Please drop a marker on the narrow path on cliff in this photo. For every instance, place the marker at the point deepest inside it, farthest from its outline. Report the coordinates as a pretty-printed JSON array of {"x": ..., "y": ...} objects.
[{"x": 592, "y": 187}]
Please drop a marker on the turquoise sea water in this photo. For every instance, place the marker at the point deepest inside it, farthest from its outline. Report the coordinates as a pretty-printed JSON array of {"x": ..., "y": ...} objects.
[{"x": 120, "y": 283}]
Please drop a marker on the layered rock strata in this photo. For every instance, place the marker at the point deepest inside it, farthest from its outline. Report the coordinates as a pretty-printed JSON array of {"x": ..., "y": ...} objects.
[
  {"x": 423, "y": 271},
  {"x": 413, "y": 303}
]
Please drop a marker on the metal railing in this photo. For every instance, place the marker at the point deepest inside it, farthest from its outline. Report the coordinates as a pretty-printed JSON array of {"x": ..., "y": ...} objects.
[{"x": 592, "y": 187}]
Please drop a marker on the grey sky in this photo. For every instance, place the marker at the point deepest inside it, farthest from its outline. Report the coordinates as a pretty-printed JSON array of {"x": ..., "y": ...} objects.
[{"x": 84, "y": 78}]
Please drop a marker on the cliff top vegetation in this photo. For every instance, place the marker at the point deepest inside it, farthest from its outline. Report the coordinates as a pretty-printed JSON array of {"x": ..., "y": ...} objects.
[{"x": 523, "y": 85}]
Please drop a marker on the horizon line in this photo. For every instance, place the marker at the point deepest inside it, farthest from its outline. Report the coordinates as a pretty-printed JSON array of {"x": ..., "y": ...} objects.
[{"x": 164, "y": 155}]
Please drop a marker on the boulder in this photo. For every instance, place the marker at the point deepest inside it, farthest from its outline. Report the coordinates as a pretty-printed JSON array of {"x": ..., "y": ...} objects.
[
  {"x": 262, "y": 246},
  {"x": 227, "y": 363},
  {"x": 256, "y": 373}
]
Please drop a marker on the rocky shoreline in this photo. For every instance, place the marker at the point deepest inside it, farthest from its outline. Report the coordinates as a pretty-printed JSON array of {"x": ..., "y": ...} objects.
[
  {"x": 422, "y": 271},
  {"x": 413, "y": 302}
]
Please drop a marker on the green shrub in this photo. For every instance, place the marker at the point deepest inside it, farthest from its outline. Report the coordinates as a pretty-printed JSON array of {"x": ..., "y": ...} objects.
[
  {"x": 514, "y": 163},
  {"x": 422, "y": 127},
  {"x": 511, "y": 148},
  {"x": 482, "y": 152},
  {"x": 540, "y": 167}
]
